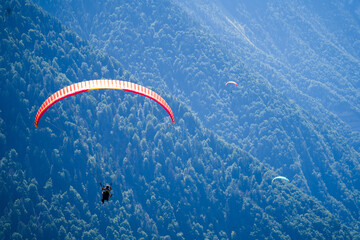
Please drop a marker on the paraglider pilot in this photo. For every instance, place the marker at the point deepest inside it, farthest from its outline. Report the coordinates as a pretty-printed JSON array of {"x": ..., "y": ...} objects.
[{"x": 105, "y": 192}]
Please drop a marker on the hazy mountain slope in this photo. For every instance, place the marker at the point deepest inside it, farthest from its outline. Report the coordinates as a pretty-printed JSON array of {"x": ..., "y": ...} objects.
[
  {"x": 179, "y": 182},
  {"x": 167, "y": 48},
  {"x": 307, "y": 50}
]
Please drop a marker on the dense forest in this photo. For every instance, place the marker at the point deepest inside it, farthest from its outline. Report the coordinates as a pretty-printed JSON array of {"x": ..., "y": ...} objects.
[
  {"x": 310, "y": 144},
  {"x": 206, "y": 177}
]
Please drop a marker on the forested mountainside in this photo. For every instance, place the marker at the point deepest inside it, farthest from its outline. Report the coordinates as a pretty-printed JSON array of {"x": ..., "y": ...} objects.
[
  {"x": 178, "y": 182},
  {"x": 308, "y": 50},
  {"x": 280, "y": 113}
]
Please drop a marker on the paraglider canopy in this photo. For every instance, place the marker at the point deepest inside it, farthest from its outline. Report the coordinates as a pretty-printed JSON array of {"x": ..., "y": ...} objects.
[
  {"x": 101, "y": 84},
  {"x": 280, "y": 177},
  {"x": 231, "y": 82}
]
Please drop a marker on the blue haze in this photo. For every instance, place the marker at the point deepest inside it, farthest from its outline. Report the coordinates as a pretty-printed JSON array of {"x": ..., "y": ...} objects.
[{"x": 294, "y": 113}]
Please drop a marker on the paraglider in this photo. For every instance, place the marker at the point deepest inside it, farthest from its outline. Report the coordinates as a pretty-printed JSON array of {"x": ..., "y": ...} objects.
[
  {"x": 101, "y": 84},
  {"x": 231, "y": 82},
  {"x": 106, "y": 192},
  {"x": 280, "y": 177}
]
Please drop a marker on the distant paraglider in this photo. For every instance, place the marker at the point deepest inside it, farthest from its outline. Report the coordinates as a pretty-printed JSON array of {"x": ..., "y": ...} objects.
[
  {"x": 231, "y": 82},
  {"x": 280, "y": 177},
  {"x": 101, "y": 84}
]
